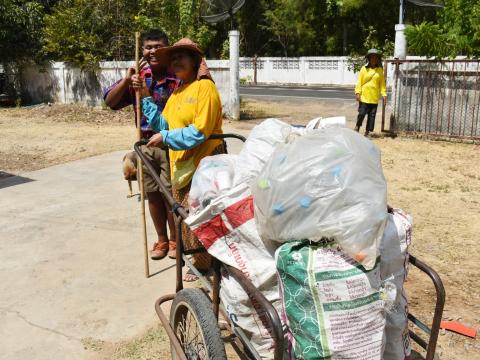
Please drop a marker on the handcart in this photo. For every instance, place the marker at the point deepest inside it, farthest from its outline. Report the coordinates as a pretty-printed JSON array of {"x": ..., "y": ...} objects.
[{"x": 198, "y": 326}]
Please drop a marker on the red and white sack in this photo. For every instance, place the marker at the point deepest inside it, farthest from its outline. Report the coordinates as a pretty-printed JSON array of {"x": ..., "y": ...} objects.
[
  {"x": 226, "y": 227},
  {"x": 247, "y": 313},
  {"x": 394, "y": 263}
]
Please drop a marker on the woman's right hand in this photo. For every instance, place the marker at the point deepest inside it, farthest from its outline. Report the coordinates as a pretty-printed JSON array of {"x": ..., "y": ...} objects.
[
  {"x": 156, "y": 140},
  {"x": 357, "y": 97}
]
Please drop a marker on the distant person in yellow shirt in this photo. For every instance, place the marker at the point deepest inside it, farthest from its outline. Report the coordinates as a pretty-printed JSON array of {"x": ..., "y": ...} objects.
[
  {"x": 370, "y": 85},
  {"x": 192, "y": 113}
]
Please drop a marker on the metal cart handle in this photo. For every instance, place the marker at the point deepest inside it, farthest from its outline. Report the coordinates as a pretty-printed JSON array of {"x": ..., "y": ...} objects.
[
  {"x": 437, "y": 316},
  {"x": 227, "y": 136}
]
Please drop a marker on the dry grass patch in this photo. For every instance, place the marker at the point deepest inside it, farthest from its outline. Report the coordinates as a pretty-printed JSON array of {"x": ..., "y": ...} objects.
[{"x": 438, "y": 182}]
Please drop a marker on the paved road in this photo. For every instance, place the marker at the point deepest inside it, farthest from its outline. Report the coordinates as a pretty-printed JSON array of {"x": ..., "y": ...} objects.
[{"x": 338, "y": 93}]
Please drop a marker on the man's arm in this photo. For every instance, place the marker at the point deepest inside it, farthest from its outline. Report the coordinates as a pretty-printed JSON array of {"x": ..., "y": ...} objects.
[{"x": 115, "y": 96}]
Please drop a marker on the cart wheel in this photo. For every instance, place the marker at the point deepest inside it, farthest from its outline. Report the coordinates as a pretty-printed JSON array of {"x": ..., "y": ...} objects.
[{"x": 194, "y": 323}]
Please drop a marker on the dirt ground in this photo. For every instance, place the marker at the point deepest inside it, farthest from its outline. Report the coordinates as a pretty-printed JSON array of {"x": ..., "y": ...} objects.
[
  {"x": 41, "y": 136},
  {"x": 438, "y": 182}
]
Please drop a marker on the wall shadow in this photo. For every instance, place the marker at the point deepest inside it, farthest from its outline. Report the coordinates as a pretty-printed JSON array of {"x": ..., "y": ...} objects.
[
  {"x": 38, "y": 84},
  {"x": 7, "y": 180},
  {"x": 85, "y": 86}
]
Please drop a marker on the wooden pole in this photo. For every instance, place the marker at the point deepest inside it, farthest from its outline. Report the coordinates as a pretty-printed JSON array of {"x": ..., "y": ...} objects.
[{"x": 139, "y": 162}]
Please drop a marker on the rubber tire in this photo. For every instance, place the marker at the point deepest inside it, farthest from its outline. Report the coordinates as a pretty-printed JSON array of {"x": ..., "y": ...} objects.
[{"x": 200, "y": 306}]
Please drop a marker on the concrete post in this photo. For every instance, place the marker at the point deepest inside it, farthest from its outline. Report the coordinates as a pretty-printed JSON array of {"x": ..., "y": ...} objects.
[
  {"x": 234, "y": 98},
  {"x": 255, "y": 58},
  {"x": 400, "y": 42},
  {"x": 64, "y": 85}
]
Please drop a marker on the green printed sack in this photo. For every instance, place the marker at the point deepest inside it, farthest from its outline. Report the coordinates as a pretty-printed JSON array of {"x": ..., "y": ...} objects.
[{"x": 331, "y": 304}]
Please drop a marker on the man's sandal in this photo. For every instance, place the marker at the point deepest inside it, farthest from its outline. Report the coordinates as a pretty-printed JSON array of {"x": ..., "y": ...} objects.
[
  {"x": 172, "y": 249},
  {"x": 159, "y": 250}
]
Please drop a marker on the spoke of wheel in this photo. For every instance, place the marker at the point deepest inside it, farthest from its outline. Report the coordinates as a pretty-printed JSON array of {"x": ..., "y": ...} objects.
[
  {"x": 181, "y": 331},
  {"x": 189, "y": 327},
  {"x": 190, "y": 336},
  {"x": 193, "y": 332}
]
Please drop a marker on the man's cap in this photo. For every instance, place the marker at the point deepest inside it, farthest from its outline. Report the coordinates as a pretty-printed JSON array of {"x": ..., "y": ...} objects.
[{"x": 372, "y": 52}]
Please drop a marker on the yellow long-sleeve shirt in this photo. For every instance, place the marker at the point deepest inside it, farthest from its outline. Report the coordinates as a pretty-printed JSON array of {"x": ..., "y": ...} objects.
[
  {"x": 196, "y": 104},
  {"x": 370, "y": 85}
]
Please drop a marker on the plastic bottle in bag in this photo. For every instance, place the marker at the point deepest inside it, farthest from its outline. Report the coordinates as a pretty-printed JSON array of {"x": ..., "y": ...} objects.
[{"x": 327, "y": 183}]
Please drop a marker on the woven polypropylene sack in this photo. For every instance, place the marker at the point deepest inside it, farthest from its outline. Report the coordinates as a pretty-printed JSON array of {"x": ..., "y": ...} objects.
[
  {"x": 332, "y": 306},
  {"x": 393, "y": 266},
  {"x": 226, "y": 227}
]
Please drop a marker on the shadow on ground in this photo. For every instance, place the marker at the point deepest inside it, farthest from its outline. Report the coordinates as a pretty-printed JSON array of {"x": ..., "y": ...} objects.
[{"x": 7, "y": 180}]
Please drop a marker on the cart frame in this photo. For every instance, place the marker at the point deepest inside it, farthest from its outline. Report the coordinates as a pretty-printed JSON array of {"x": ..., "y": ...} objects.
[{"x": 240, "y": 341}]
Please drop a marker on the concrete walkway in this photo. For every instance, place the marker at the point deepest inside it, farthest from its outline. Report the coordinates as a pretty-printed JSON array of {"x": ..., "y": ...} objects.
[{"x": 71, "y": 261}]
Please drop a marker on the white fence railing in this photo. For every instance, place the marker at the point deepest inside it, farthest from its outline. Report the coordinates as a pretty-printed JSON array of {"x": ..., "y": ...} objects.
[{"x": 298, "y": 71}]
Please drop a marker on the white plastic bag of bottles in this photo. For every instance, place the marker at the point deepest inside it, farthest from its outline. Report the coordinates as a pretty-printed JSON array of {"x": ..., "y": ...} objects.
[
  {"x": 213, "y": 177},
  {"x": 265, "y": 136},
  {"x": 327, "y": 183},
  {"x": 259, "y": 146}
]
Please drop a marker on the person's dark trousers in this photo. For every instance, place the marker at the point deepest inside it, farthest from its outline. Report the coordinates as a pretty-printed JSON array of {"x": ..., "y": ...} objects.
[{"x": 371, "y": 111}]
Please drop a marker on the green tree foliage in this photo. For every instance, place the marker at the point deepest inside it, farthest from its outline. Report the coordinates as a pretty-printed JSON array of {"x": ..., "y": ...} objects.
[
  {"x": 298, "y": 26},
  {"x": 158, "y": 14},
  {"x": 331, "y": 27},
  {"x": 249, "y": 20},
  {"x": 178, "y": 18},
  {"x": 84, "y": 32},
  {"x": 357, "y": 59},
  {"x": 427, "y": 39},
  {"x": 461, "y": 21},
  {"x": 191, "y": 25},
  {"x": 20, "y": 24},
  {"x": 456, "y": 33}
]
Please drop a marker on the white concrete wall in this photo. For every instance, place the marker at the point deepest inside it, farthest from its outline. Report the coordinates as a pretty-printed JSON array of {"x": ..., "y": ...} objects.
[
  {"x": 60, "y": 83},
  {"x": 220, "y": 71},
  {"x": 299, "y": 71},
  {"x": 64, "y": 84}
]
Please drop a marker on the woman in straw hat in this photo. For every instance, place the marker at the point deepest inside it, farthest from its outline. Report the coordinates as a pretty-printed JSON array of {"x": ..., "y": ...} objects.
[
  {"x": 370, "y": 85},
  {"x": 192, "y": 113}
]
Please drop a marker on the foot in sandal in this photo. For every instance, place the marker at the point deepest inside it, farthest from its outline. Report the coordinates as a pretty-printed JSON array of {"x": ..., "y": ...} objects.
[
  {"x": 172, "y": 249},
  {"x": 159, "y": 251},
  {"x": 191, "y": 277}
]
